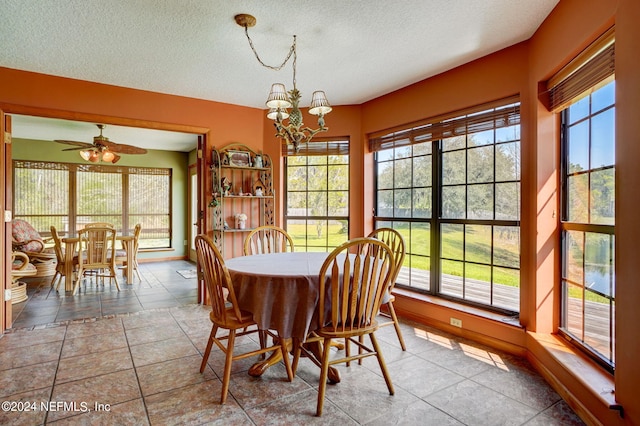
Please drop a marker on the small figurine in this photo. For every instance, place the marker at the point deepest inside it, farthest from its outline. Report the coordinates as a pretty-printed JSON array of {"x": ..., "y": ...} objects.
[
  {"x": 258, "y": 192},
  {"x": 257, "y": 162},
  {"x": 225, "y": 183}
]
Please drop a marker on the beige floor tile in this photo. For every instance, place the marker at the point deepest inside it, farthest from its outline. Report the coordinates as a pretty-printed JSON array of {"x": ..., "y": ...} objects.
[
  {"x": 195, "y": 404},
  {"x": 107, "y": 389},
  {"x": 23, "y": 379},
  {"x": 95, "y": 364},
  {"x": 30, "y": 355},
  {"x": 168, "y": 375},
  {"x": 163, "y": 350},
  {"x": 92, "y": 344}
]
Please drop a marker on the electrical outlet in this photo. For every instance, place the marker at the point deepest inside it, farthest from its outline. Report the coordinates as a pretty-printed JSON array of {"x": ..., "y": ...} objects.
[
  {"x": 7, "y": 295},
  {"x": 185, "y": 242},
  {"x": 455, "y": 322}
]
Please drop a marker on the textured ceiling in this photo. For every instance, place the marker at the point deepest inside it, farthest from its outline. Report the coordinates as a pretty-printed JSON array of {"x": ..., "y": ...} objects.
[{"x": 355, "y": 50}]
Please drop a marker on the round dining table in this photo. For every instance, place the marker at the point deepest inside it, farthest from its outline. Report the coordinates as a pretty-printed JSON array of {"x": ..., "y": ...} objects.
[{"x": 281, "y": 290}]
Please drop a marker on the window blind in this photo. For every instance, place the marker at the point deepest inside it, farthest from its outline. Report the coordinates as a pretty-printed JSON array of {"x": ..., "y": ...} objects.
[
  {"x": 318, "y": 147},
  {"x": 591, "y": 69},
  {"x": 501, "y": 113}
]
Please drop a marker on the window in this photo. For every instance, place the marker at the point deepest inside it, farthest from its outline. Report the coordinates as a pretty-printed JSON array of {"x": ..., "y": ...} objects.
[
  {"x": 451, "y": 186},
  {"x": 583, "y": 92},
  {"x": 70, "y": 195},
  {"x": 317, "y": 195},
  {"x": 588, "y": 222}
]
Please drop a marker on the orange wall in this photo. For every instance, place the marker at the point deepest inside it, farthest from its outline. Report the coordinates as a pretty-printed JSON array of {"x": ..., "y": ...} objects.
[
  {"x": 627, "y": 205},
  {"x": 518, "y": 69}
]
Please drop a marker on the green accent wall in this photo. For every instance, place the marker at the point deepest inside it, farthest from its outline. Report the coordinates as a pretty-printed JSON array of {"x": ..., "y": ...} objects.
[{"x": 37, "y": 150}]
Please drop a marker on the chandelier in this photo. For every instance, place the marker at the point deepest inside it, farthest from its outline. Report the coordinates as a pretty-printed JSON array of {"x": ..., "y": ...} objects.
[{"x": 279, "y": 100}]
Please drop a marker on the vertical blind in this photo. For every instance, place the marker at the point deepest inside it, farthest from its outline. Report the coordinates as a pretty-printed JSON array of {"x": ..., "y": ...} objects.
[{"x": 501, "y": 113}]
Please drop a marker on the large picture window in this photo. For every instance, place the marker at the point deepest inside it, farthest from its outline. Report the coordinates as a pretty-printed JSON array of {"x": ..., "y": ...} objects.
[
  {"x": 317, "y": 195},
  {"x": 67, "y": 196},
  {"x": 451, "y": 186}
]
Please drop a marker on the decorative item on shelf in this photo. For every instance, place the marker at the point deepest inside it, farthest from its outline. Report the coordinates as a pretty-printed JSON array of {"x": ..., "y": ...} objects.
[
  {"x": 226, "y": 225},
  {"x": 241, "y": 220},
  {"x": 257, "y": 162},
  {"x": 293, "y": 133},
  {"x": 239, "y": 158},
  {"x": 258, "y": 188},
  {"x": 225, "y": 184}
]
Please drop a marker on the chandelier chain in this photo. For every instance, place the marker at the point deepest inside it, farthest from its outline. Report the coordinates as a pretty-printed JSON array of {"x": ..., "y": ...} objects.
[{"x": 292, "y": 51}]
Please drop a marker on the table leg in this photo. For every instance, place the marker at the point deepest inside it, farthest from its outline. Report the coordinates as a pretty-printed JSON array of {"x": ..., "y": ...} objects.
[
  {"x": 315, "y": 348},
  {"x": 128, "y": 246},
  {"x": 68, "y": 266}
]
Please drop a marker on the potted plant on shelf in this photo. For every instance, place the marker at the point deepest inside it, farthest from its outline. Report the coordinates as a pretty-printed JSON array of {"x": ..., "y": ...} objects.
[{"x": 241, "y": 220}]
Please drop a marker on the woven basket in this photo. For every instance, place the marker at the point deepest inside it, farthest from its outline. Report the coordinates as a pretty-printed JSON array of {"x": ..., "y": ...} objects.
[{"x": 18, "y": 292}]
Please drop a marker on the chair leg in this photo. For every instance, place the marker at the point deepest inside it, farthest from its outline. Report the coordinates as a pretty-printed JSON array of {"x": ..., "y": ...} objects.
[
  {"x": 77, "y": 282},
  {"x": 207, "y": 351},
  {"x": 227, "y": 366},
  {"x": 383, "y": 366},
  {"x": 396, "y": 325},
  {"x": 114, "y": 277},
  {"x": 324, "y": 372}
]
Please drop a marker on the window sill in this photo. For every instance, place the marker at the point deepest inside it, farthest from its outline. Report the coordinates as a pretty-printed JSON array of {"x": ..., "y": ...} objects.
[
  {"x": 589, "y": 389},
  {"x": 497, "y": 330}
]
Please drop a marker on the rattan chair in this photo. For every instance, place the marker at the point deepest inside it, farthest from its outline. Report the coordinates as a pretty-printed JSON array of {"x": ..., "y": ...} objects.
[
  {"x": 20, "y": 268},
  {"x": 267, "y": 239},
  {"x": 395, "y": 241},
  {"x": 348, "y": 305},
  {"x": 26, "y": 239},
  {"x": 225, "y": 314}
]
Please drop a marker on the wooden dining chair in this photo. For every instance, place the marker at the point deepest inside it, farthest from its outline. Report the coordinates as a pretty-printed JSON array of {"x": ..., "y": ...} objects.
[
  {"x": 348, "y": 305},
  {"x": 267, "y": 239},
  {"x": 96, "y": 254},
  {"x": 98, "y": 225},
  {"x": 60, "y": 259},
  {"x": 225, "y": 314},
  {"x": 395, "y": 241}
]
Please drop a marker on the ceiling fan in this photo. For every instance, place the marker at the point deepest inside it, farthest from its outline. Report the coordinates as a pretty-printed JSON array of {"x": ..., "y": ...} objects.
[{"x": 101, "y": 149}]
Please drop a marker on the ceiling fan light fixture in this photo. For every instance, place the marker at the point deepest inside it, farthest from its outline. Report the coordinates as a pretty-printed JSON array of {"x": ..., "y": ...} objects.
[
  {"x": 101, "y": 149},
  {"x": 94, "y": 157},
  {"x": 85, "y": 154},
  {"x": 108, "y": 156}
]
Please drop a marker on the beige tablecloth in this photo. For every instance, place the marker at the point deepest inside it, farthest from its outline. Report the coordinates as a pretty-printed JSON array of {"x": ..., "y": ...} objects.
[{"x": 279, "y": 289}]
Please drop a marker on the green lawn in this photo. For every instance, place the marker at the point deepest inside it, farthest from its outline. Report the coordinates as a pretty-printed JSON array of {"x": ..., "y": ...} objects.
[{"x": 478, "y": 248}]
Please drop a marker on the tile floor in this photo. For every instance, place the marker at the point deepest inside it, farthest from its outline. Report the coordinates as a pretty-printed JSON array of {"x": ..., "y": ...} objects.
[{"x": 134, "y": 359}]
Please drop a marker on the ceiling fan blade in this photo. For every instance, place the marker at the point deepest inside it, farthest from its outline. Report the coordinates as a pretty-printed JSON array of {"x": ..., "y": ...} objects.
[
  {"x": 82, "y": 145},
  {"x": 123, "y": 149},
  {"x": 80, "y": 148}
]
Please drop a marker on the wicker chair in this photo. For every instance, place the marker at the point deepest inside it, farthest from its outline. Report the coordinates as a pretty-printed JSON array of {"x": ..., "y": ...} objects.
[
  {"x": 26, "y": 239},
  {"x": 348, "y": 305},
  {"x": 20, "y": 268}
]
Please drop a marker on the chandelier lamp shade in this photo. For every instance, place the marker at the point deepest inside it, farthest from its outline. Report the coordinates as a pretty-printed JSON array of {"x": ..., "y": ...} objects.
[{"x": 279, "y": 101}]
